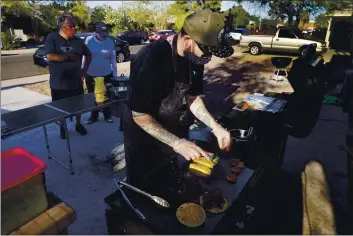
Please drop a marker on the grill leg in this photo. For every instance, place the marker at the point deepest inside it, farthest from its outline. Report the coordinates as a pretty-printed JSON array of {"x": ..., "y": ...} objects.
[
  {"x": 277, "y": 75},
  {"x": 285, "y": 70}
]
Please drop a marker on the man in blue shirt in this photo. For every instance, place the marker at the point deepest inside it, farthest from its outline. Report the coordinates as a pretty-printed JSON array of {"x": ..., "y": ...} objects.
[
  {"x": 65, "y": 52},
  {"x": 103, "y": 64}
]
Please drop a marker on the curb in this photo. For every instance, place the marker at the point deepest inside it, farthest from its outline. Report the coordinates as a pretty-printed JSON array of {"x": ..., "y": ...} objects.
[{"x": 18, "y": 52}]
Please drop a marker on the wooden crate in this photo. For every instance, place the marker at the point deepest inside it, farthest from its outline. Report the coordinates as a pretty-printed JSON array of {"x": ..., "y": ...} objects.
[{"x": 53, "y": 221}]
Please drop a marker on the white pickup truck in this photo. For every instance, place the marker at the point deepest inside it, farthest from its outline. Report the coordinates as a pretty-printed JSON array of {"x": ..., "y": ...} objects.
[{"x": 284, "y": 40}]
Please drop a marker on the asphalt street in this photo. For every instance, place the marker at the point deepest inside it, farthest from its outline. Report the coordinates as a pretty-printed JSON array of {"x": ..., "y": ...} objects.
[{"x": 19, "y": 66}]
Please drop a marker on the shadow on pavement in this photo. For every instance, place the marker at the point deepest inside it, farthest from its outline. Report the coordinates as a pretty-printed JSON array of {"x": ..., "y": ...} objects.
[
  {"x": 234, "y": 75},
  {"x": 5, "y": 55},
  {"x": 285, "y": 54}
]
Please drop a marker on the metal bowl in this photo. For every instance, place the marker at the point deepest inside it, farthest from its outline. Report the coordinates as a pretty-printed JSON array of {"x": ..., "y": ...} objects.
[{"x": 239, "y": 135}]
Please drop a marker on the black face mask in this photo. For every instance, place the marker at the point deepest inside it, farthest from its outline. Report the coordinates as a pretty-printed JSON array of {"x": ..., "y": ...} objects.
[{"x": 195, "y": 59}]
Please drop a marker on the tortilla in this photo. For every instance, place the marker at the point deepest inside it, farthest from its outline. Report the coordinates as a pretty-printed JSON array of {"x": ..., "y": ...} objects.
[
  {"x": 191, "y": 215},
  {"x": 216, "y": 210}
]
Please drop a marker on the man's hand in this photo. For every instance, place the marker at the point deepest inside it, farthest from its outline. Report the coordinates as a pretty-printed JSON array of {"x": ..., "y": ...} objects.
[
  {"x": 223, "y": 137},
  {"x": 74, "y": 57},
  {"x": 83, "y": 75},
  {"x": 189, "y": 150}
]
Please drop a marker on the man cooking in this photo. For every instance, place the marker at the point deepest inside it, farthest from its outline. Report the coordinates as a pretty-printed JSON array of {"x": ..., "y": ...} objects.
[{"x": 163, "y": 74}]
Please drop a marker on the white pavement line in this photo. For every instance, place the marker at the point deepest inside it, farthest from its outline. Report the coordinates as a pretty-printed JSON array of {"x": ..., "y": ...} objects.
[{"x": 67, "y": 113}]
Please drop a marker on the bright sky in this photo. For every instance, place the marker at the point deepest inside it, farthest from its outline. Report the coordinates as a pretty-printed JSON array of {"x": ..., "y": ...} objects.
[{"x": 225, "y": 6}]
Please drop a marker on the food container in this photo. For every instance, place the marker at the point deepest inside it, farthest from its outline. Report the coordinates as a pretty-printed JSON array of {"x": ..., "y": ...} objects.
[
  {"x": 120, "y": 89},
  {"x": 100, "y": 91},
  {"x": 23, "y": 193}
]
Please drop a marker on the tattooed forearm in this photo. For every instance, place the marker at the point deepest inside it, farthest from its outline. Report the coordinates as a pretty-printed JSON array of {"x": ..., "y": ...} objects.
[
  {"x": 155, "y": 129},
  {"x": 200, "y": 111},
  {"x": 136, "y": 114}
]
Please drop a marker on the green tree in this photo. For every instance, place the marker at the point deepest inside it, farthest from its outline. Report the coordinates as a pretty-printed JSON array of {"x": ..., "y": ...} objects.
[
  {"x": 80, "y": 12},
  {"x": 160, "y": 17},
  {"x": 294, "y": 9},
  {"x": 119, "y": 19},
  {"x": 99, "y": 13},
  {"x": 140, "y": 16},
  {"x": 305, "y": 18},
  {"x": 211, "y": 5},
  {"x": 321, "y": 21},
  {"x": 238, "y": 16},
  {"x": 181, "y": 9}
]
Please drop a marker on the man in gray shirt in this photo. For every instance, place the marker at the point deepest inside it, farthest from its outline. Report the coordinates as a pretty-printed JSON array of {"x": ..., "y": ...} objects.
[{"x": 65, "y": 52}]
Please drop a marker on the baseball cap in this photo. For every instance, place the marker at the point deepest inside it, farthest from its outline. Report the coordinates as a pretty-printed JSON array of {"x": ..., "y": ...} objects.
[
  {"x": 207, "y": 28},
  {"x": 102, "y": 29}
]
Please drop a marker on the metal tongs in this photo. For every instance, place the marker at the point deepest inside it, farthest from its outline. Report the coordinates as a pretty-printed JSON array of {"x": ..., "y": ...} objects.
[
  {"x": 160, "y": 201},
  {"x": 138, "y": 213}
]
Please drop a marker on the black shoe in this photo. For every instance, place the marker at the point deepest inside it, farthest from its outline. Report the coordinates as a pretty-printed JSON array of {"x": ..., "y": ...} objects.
[
  {"x": 81, "y": 129},
  {"x": 91, "y": 120},
  {"x": 108, "y": 120},
  {"x": 62, "y": 133}
]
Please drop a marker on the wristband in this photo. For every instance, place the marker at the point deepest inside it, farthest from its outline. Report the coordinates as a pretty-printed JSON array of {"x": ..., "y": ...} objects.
[{"x": 217, "y": 127}]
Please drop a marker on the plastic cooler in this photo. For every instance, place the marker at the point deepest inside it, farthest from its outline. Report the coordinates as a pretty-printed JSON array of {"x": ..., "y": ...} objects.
[{"x": 23, "y": 192}]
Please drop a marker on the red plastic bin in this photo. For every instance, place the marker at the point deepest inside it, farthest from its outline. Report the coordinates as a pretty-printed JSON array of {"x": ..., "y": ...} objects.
[{"x": 23, "y": 194}]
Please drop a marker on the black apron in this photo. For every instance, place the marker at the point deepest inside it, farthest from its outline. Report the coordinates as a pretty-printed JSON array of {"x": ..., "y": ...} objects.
[{"x": 144, "y": 153}]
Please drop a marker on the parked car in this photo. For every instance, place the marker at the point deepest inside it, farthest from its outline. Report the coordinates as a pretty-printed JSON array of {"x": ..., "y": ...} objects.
[
  {"x": 133, "y": 37},
  {"x": 122, "y": 51},
  {"x": 162, "y": 34},
  {"x": 285, "y": 40}
]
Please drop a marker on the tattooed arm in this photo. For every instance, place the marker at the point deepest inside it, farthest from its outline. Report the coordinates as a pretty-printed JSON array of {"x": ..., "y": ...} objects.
[
  {"x": 154, "y": 128},
  {"x": 198, "y": 108},
  {"x": 187, "y": 149}
]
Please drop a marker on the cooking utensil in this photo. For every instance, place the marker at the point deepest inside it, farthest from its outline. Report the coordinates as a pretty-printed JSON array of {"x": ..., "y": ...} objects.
[
  {"x": 138, "y": 213},
  {"x": 160, "y": 201}
]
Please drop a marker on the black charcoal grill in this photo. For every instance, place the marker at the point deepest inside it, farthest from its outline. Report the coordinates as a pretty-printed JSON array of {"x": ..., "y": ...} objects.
[{"x": 281, "y": 64}]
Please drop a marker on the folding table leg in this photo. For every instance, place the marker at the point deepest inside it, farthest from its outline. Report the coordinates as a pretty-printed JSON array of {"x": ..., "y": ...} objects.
[
  {"x": 47, "y": 141},
  {"x": 68, "y": 146}
]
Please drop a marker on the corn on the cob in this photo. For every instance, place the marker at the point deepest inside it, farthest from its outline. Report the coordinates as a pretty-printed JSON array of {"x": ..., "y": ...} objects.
[
  {"x": 201, "y": 168},
  {"x": 205, "y": 162}
]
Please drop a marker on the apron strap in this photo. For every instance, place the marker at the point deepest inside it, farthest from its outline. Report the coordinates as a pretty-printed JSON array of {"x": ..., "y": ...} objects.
[{"x": 175, "y": 55}]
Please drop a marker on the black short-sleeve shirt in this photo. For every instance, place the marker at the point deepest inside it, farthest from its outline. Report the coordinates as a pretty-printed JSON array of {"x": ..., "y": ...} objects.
[
  {"x": 65, "y": 75},
  {"x": 152, "y": 74}
]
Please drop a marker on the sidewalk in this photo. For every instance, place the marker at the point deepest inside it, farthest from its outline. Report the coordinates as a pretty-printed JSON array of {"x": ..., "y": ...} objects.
[
  {"x": 123, "y": 68},
  {"x": 19, "y": 51}
]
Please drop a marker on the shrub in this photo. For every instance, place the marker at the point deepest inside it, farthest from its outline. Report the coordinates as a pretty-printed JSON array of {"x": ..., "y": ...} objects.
[{"x": 7, "y": 41}]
